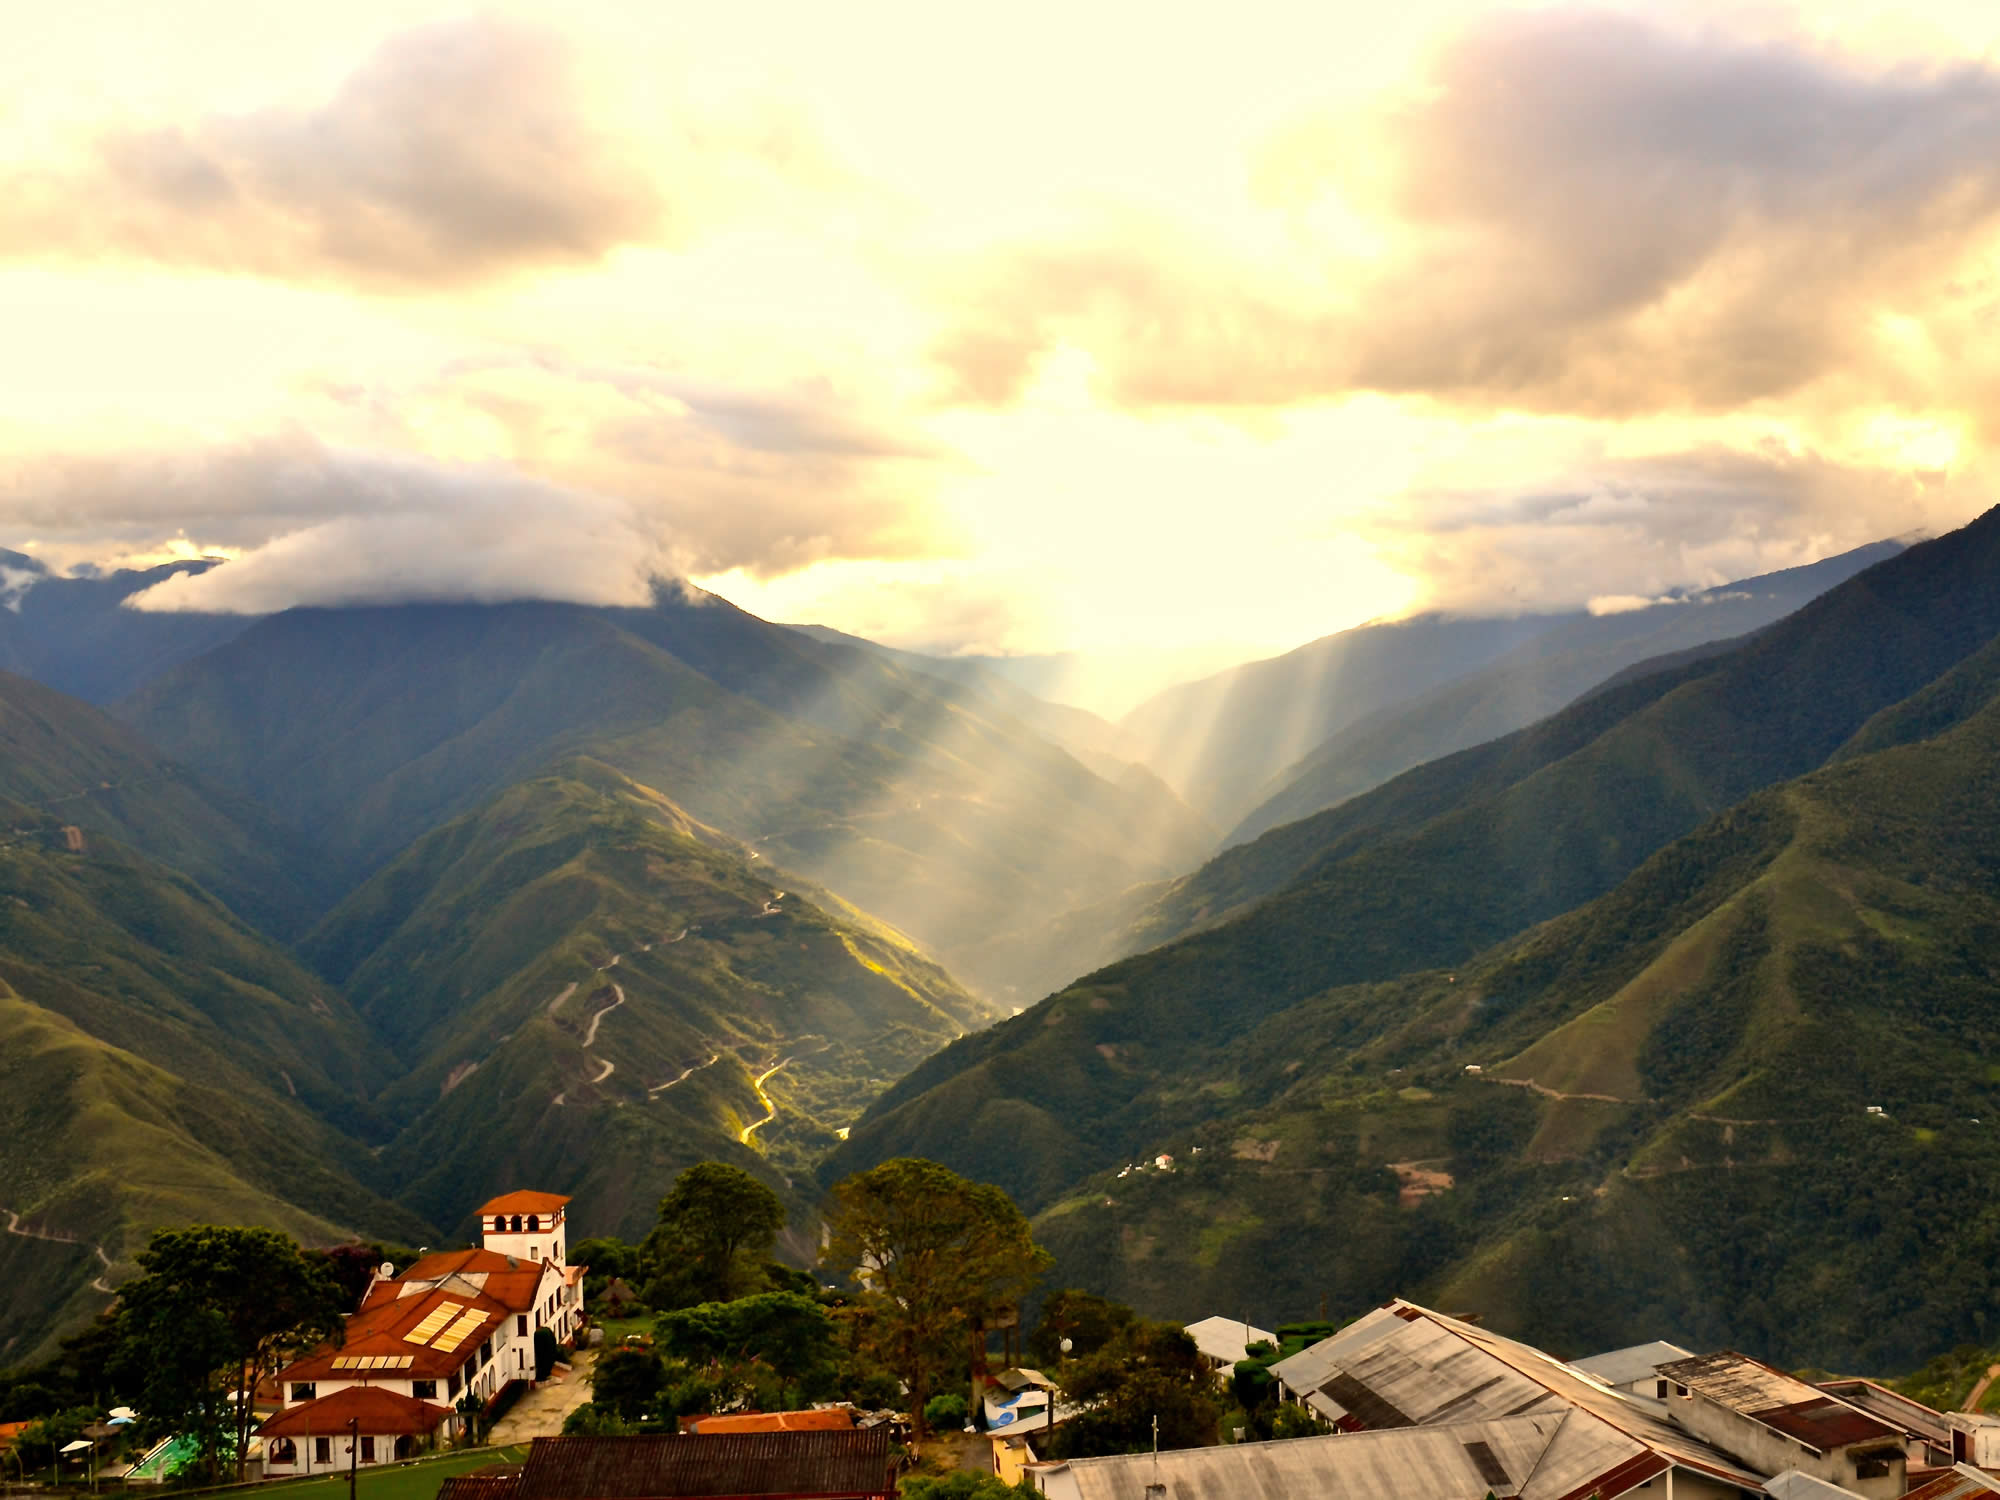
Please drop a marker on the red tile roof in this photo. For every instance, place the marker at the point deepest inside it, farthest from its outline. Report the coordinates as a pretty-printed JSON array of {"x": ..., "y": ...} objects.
[
  {"x": 523, "y": 1202},
  {"x": 11, "y": 1430},
  {"x": 839, "y": 1419},
  {"x": 373, "y": 1410},
  {"x": 379, "y": 1329}
]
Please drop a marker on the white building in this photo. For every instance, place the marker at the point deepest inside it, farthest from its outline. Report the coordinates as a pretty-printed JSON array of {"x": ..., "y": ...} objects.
[
  {"x": 1225, "y": 1342},
  {"x": 456, "y": 1322}
]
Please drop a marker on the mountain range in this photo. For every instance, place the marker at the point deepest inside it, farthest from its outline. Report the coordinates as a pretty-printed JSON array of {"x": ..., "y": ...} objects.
[
  {"x": 1701, "y": 919},
  {"x": 343, "y": 919}
]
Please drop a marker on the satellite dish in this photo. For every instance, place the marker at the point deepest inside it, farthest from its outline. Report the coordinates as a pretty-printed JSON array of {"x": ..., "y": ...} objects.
[{"x": 388, "y": 1269}]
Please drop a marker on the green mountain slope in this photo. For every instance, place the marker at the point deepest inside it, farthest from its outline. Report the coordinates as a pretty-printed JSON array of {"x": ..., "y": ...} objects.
[
  {"x": 1534, "y": 680},
  {"x": 1670, "y": 1128},
  {"x": 582, "y": 959},
  {"x": 894, "y": 788},
  {"x": 74, "y": 763},
  {"x": 160, "y": 1063},
  {"x": 1436, "y": 866}
]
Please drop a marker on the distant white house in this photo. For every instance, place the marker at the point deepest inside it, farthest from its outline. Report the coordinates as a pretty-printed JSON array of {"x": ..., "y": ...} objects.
[
  {"x": 457, "y": 1322},
  {"x": 1634, "y": 1369},
  {"x": 1225, "y": 1342}
]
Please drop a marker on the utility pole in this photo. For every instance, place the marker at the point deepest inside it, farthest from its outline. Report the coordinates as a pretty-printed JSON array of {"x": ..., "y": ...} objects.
[{"x": 353, "y": 1453}]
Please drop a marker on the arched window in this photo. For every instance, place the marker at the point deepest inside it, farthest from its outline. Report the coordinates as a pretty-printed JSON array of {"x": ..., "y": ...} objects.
[
  {"x": 282, "y": 1451},
  {"x": 534, "y": 1223},
  {"x": 517, "y": 1223}
]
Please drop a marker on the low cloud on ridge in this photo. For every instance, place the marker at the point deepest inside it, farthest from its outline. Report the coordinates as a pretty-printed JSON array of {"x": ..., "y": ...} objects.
[{"x": 312, "y": 526}]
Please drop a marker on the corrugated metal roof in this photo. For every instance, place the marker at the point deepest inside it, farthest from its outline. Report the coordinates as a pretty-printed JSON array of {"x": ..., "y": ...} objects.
[
  {"x": 1964, "y": 1482},
  {"x": 1892, "y": 1407},
  {"x": 1825, "y": 1424},
  {"x": 1437, "y": 1463},
  {"x": 1430, "y": 1369},
  {"x": 1794, "y": 1485},
  {"x": 1625, "y": 1366},
  {"x": 481, "y": 1486},
  {"x": 1779, "y": 1401},
  {"x": 1738, "y": 1382},
  {"x": 799, "y": 1464},
  {"x": 1227, "y": 1339}
]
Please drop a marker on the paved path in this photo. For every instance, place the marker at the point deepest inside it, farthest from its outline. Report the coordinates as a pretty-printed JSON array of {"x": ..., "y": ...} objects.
[{"x": 540, "y": 1412}]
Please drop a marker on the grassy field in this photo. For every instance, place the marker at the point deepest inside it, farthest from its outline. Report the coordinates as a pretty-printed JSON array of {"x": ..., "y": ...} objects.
[{"x": 412, "y": 1481}]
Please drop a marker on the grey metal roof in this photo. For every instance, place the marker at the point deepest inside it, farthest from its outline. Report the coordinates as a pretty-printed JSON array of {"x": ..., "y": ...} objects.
[
  {"x": 1795, "y": 1485},
  {"x": 1464, "y": 1462},
  {"x": 1227, "y": 1339},
  {"x": 1403, "y": 1365},
  {"x": 1625, "y": 1366}
]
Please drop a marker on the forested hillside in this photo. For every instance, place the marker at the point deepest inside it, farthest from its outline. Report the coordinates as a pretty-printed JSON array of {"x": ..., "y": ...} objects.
[{"x": 1731, "y": 997}]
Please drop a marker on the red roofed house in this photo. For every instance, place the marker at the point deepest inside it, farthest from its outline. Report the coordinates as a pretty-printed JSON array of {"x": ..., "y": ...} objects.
[{"x": 463, "y": 1320}]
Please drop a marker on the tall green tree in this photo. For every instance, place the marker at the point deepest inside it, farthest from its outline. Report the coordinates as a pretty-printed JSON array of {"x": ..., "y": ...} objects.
[
  {"x": 717, "y": 1224},
  {"x": 938, "y": 1259},
  {"x": 220, "y": 1308},
  {"x": 793, "y": 1335}
]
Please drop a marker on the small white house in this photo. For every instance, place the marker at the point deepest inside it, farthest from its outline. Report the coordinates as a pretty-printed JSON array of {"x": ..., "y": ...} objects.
[{"x": 1224, "y": 1342}]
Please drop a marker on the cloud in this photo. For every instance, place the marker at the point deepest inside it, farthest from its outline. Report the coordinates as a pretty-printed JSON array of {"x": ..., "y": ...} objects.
[
  {"x": 457, "y": 152},
  {"x": 312, "y": 525},
  {"x": 1624, "y": 533},
  {"x": 762, "y": 480},
  {"x": 1575, "y": 211}
]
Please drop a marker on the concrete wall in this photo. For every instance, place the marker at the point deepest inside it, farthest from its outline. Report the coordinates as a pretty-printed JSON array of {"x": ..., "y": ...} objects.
[{"x": 1768, "y": 1452}]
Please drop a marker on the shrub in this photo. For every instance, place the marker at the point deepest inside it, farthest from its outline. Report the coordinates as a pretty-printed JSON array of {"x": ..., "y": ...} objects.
[{"x": 947, "y": 1410}]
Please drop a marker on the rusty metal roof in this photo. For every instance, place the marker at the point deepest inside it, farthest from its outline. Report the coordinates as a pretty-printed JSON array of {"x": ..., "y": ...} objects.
[
  {"x": 794, "y": 1464},
  {"x": 1825, "y": 1424},
  {"x": 1962, "y": 1482},
  {"x": 1781, "y": 1402},
  {"x": 481, "y": 1486}
]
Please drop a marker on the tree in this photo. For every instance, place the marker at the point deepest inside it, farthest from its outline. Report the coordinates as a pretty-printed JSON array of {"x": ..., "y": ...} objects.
[
  {"x": 1088, "y": 1322},
  {"x": 627, "y": 1383},
  {"x": 793, "y": 1335},
  {"x": 1151, "y": 1370},
  {"x": 717, "y": 1223},
  {"x": 965, "y": 1485},
  {"x": 215, "y": 1308},
  {"x": 937, "y": 1258}
]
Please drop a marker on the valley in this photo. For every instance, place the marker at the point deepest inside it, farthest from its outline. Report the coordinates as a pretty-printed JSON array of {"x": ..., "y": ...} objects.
[{"x": 344, "y": 918}]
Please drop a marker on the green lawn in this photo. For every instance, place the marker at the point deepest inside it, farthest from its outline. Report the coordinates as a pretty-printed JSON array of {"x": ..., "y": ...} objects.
[{"x": 413, "y": 1481}]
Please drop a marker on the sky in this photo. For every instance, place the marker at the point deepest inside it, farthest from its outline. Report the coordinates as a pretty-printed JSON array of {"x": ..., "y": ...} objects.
[{"x": 1106, "y": 328}]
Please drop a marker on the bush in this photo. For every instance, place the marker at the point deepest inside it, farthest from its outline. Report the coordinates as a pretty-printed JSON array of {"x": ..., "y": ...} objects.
[
  {"x": 965, "y": 1485},
  {"x": 947, "y": 1410}
]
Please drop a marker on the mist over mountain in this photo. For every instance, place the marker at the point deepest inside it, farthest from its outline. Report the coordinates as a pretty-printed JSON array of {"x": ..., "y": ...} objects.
[{"x": 1316, "y": 943}]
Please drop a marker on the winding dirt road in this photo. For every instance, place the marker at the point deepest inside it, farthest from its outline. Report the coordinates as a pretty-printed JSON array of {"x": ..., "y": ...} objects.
[
  {"x": 686, "y": 1073},
  {"x": 770, "y": 1105},
  {"x": 97, "y": 1284}
]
